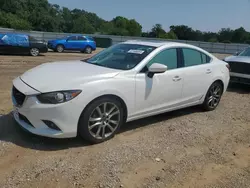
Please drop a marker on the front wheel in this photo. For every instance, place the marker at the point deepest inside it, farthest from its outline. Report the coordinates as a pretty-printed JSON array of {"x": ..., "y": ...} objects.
[
  {"x": 34, "y": 52},
  {"x": 213, "y": 96},
  {"x": 60, "y": 48},
  {"x": 101, "y": 120}
]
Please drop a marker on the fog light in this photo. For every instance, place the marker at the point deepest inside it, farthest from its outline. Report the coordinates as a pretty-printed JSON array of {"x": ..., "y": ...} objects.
[{"x": 51, "y": 125}]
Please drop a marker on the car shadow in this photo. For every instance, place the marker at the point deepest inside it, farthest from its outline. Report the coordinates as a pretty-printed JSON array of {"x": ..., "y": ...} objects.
[
  {"x": 11, "y": 132},
  {"x": 67, "y": 52},
  {"x": 22, "y": 55},
  {"x": 239, "y": 88}
]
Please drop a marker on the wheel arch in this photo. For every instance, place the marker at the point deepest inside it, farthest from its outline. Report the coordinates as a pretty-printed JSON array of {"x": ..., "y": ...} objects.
[
  {"x": 221, "y": 82},
  {"x": 60, "y": 44},
  {"x": 120, "y": 99}
]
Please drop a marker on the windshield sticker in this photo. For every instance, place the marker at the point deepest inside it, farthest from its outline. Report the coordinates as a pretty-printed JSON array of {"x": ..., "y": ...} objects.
[{"x": 136, "y": 51}]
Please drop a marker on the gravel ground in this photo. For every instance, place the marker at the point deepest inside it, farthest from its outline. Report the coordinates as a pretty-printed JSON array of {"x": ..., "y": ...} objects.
[{"x": 185, "y": 148}]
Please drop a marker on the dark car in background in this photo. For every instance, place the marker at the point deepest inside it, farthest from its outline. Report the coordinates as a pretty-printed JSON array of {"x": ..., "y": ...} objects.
[
  {"x": 240, "y": 67},
  {"x": 81, "y": 43},
  {"x": 15, "y": 43}
]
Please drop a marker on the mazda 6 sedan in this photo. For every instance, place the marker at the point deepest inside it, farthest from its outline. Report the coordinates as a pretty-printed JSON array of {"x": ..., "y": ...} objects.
[{"x": 94, "y": 97}]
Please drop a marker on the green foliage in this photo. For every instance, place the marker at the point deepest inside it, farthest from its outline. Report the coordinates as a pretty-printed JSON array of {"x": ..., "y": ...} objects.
[{"x": 40, "y": 15}]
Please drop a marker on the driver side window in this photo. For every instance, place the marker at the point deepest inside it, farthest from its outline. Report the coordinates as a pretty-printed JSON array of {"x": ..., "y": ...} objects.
[{"x": 166, "y": 57}]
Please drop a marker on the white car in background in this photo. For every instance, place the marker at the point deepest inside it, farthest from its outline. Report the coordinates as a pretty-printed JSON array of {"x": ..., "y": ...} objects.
[
  {"x": 240, "y": 67},
  {"x": 125, "y": 82}
]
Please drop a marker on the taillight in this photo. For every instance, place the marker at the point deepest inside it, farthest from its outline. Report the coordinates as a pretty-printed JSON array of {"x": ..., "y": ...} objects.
[{"x": 228, "y": 66}]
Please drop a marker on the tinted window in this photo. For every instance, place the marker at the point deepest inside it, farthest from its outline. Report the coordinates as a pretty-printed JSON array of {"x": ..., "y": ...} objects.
[
  {"x": 91, "y": 38},
  {"x": 121, "y": 56},
  {"x": 205, "y": 58},
  {"x": 81, "y": 38},
  {"x": 246, "y": 52},
  {"x": 166, "y": 57},
  {"x": 72, "y": 38},
  {"x": 192, "y": 57}
]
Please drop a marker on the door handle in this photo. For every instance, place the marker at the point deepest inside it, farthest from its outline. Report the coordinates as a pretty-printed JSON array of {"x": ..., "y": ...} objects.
[
  {"x": 208, "y": 71},
  {"x": 176, "y": 78}
]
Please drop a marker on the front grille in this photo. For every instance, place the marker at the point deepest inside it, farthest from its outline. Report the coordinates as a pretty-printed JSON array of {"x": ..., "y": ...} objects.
[
  {"x": 19, "y": 97},
  {"x": 23, "y": 118},
  {"x": 239, "y": 67}
]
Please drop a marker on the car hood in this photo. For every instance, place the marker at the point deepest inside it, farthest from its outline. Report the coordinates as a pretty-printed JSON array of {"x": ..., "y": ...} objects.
[
  {"x": 243, "y": 59},
  {"x": 65, "y": 75}
]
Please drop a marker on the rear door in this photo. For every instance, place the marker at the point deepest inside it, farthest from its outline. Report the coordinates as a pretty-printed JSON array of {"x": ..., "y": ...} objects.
[
  {"x": 197, "y": 74},
  {"x": 82, "y": 42}
]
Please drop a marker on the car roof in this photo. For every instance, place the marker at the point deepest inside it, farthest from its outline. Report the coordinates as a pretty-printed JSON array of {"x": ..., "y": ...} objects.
[
  {"x": 77, "y": 35},
  {"x": 157, "y": 43},
  {"x": 10, "y": 33}
]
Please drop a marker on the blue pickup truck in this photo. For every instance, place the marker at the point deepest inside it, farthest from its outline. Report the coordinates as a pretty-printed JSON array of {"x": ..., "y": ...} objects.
[{"x": 81, "y": 43}]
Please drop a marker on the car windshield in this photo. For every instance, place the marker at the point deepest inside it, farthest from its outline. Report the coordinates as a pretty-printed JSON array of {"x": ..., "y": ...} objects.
[
  {"x": 245, "y": 52},
  {"x": 33, "y": 39},
  {"x": 121, "y": 56}
]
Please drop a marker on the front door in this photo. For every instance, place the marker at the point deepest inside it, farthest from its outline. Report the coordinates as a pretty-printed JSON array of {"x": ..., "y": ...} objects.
[
  {"x": 163, "y": 91},
  {"x": 71, "y": 43}
]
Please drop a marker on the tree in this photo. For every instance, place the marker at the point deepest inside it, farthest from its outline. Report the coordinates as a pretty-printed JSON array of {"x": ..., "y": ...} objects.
[
  {"x": 183, "y": 32},
  {"x": 134, "y": 28},
  {"x": 240, "y": 35},
  {"x": 43, "y": 16},
  {"x": 157, "y": 31},
  {"x": 225, "y": 34}
]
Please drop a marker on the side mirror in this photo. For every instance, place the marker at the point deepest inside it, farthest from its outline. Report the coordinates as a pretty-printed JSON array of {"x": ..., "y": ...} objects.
[
  {"x": 156, "y": 68},
  {"x": 237, "y": 53}
]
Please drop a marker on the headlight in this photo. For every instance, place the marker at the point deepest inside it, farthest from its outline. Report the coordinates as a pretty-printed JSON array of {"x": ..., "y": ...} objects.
[{"x": 58, "y": 97}]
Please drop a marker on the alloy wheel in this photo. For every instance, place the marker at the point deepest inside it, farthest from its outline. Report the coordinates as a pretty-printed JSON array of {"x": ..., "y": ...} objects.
[
  {"x": 104, "y": 120},
  {"x": 34, "y": 52},
  {"x": 60, "y": 49},
  {"x": 88, "y": 50},
  {"x": 214, "y": 95}
]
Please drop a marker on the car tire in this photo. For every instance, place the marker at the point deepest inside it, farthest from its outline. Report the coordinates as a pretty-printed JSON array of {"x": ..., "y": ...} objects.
[
  {"x": 213, "y": 96},
  {"x": 97, "y": 125},
  {"x": 34, "y": 52},
  {"x": 60, "y": 48},
  {"x": 88, "y": 50}
]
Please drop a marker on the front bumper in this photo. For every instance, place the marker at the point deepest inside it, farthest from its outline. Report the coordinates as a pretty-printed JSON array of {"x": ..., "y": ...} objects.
[
  {"x": 50, "y": 46},
  {"x": 32, "y": 114},
  {"x": 239, "y": 78}
]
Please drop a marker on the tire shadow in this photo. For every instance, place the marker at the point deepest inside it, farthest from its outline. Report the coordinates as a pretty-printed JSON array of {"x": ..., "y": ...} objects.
[{"x": 239, "y": 88}]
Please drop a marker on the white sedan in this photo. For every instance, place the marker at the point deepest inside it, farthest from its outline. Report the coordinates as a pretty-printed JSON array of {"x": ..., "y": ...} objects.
[{"x": 94, "y": 97}]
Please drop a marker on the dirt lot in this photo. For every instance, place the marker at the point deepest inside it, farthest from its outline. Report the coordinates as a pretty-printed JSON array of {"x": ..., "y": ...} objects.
[{"x": 185, "y": 148}]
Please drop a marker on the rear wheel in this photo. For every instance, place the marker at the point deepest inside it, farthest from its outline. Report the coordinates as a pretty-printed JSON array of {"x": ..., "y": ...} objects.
[
  {"x": 101, "y": 120},
  {"x": 60, "y": 48},
  {"x": 34, "y": 52},
  {"x": 213, "y": 96},
  {"x": 88, "y": 50}
]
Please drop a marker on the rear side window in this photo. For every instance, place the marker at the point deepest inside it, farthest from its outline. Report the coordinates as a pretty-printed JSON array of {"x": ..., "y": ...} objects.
[
  {"x": 72, "y": 38},
  {"x": 193, "y": 57},
  {"x": 166, "y": 57},
  {"x": 91, "y": 38},
  {"x": 81, "y": 38},
  {"x": 205, "y": 58}
]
